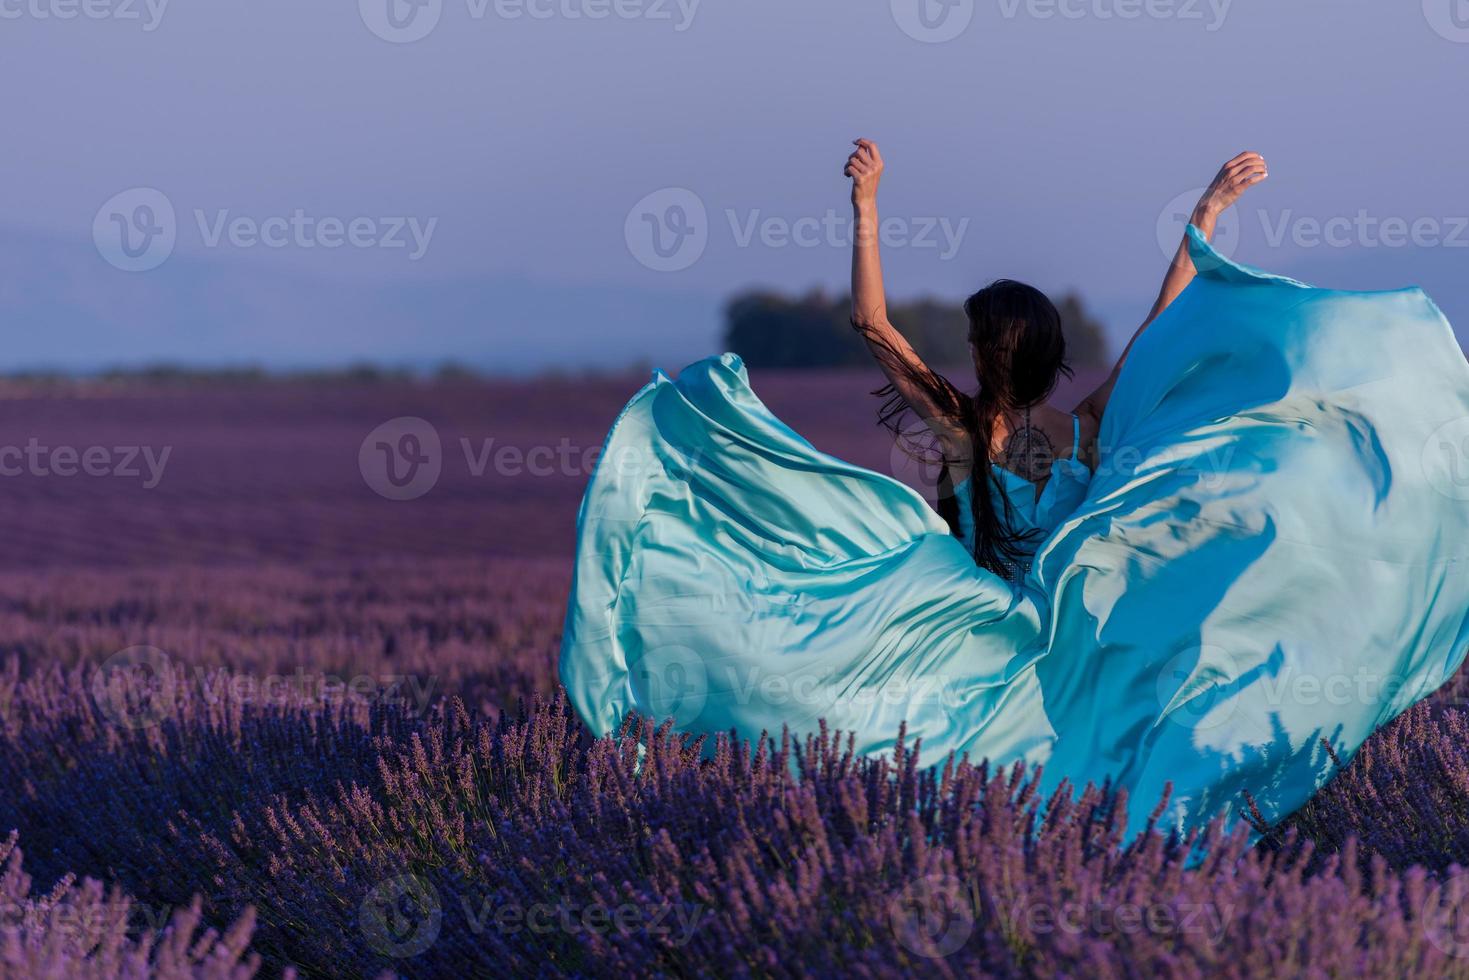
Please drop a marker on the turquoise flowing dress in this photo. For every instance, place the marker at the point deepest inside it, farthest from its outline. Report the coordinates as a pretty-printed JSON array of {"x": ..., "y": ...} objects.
[{"x": 1272, "y": 556}]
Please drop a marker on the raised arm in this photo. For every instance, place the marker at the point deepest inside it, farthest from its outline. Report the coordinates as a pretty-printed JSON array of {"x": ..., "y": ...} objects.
[
  {"x": 910, "y": 377},
  {"x": 1233, "y": 179}
]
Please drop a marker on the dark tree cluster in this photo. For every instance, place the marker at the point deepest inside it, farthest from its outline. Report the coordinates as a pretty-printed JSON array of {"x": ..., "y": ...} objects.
[{"x": 774, "y": 330}]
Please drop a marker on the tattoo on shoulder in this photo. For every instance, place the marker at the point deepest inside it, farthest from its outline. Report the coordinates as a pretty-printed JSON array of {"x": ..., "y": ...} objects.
[{"x": 1029, "y": 453}]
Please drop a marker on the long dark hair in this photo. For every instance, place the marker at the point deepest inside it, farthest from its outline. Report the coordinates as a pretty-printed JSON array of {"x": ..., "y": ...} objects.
[{"x": 1019, "y": 357}]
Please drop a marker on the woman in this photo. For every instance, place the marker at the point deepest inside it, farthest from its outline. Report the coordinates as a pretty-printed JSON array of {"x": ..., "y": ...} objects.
[
  {"x": 1247, "y": 550},
  {"x": 1006, "y": 438}
]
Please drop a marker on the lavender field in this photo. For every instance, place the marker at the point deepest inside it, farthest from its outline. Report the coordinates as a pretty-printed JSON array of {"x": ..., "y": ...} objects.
[{"x": 259, "y": 718}]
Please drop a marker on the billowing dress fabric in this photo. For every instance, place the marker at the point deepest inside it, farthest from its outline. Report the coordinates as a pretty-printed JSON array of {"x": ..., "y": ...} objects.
[{"x": 1272, "y": 552}]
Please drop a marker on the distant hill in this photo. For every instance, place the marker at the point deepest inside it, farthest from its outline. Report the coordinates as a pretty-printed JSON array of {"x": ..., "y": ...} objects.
[{"x": 65, "y": 309}]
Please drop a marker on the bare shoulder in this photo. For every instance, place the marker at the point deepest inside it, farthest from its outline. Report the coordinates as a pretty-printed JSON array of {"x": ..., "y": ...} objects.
[
  {"x": 954, "y": 441},
  {"x": 1089, "y": 426},
  {"x": 1074, "y": 433}
]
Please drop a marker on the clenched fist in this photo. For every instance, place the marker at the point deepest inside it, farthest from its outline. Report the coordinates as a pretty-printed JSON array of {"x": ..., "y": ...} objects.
[{"x": 864, "y": 166}]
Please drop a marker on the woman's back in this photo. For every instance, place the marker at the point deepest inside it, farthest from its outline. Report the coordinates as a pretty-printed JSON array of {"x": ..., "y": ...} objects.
[{"x": 1033, "y": 509}]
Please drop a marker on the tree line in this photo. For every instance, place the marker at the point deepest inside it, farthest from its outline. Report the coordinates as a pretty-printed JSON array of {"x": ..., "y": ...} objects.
[{"x": 775, "y": 330}]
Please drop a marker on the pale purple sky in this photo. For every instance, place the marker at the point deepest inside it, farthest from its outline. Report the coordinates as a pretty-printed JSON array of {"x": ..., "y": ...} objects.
[{"x": 1043, "y": 142}]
